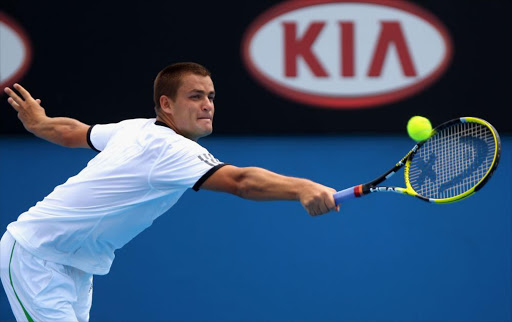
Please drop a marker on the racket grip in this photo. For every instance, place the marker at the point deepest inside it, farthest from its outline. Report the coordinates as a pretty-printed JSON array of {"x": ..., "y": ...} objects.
[{"x": 347, "y": 194}]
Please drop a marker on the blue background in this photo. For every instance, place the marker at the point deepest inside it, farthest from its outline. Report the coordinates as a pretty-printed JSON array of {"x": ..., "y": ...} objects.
[{"x": 217, "y": 257}]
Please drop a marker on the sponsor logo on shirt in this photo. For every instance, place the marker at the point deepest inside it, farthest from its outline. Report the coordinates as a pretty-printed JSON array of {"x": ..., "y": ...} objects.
[{"x": 209, "y": 159}]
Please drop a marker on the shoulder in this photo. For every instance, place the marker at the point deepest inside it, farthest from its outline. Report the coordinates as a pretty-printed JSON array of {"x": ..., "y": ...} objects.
[
  {"x": 130, "y": 123},
  {"x": 123, "y": 132},
  {"x": 139, "y": 122}
]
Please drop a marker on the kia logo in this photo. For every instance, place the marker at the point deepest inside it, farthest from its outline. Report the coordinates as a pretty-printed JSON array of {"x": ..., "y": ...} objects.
[
  {"x": 15, "y": 51},
  {"x": 346, "y": 54}
]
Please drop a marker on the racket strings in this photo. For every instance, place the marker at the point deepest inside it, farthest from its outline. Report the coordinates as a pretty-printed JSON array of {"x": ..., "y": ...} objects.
[{"x": 452, "y": 161}]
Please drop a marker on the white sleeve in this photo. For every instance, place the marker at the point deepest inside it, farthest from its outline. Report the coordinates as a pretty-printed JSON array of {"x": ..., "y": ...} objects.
[
  {"x": 186, "y": 166},
  {"x": 99, "y": 135}
]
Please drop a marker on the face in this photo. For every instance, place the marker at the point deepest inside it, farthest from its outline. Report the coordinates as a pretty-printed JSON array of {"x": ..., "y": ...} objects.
[{"x": 191, "y": 113}]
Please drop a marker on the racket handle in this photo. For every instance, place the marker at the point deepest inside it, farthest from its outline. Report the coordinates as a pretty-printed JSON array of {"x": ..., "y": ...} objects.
[{"x": 347, "y": 194}]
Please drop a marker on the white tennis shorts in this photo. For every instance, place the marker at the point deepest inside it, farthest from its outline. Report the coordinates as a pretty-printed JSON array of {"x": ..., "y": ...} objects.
[{"x": 40, "y": 290}]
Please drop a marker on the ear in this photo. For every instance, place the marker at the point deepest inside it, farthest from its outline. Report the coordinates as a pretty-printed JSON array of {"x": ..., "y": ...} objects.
[{"x": 166, "y": 104}]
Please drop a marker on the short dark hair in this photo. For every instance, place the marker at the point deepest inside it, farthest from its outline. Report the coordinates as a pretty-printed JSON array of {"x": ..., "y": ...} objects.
[{"x": 168, "y": 80}]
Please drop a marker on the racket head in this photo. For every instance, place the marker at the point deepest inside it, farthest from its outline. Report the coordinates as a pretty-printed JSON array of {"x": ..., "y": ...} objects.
[{"x": 456, "y": 161}]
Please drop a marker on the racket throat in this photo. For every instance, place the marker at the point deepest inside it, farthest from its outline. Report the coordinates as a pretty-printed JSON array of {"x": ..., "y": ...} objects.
[{"x": 360, "y": 190}]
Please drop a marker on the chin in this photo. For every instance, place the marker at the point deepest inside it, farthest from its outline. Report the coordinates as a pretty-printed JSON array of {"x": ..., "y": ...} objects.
[
  {"x": 205, "y": 133},
  {"x": 208, "y": 132}
]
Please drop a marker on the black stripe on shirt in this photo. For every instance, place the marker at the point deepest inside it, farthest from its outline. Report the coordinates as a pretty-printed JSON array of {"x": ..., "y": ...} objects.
[
  {"x": 89, "y": 139},
  {"x": 206, "y": 176},
  {"x": 161, "y": 124}
]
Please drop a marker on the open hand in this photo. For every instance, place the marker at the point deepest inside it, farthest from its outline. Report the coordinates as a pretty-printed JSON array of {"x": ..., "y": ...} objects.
[{"x": 29, "y": 109}]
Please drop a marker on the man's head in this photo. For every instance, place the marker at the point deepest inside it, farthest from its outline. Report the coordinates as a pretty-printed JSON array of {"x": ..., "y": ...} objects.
[{"x": 183, "y": 95}]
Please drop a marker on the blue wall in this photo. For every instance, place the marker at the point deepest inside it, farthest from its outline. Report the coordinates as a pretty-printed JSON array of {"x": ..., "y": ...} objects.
[{"x": 217, "y": 257}]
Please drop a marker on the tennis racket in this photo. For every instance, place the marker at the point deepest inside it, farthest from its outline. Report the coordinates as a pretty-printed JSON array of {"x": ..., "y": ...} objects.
[{"x": 456, "y": 160}]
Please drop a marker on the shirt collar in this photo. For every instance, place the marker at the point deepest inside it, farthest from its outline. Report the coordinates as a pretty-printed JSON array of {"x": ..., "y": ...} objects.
[{"x": 162, "y": 124}]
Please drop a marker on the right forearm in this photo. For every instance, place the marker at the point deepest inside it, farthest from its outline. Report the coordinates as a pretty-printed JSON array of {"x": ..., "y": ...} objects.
[{"x": 260, "y": 184}]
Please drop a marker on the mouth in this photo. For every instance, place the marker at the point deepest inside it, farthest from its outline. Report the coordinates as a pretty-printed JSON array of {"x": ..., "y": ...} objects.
[{"x": 205, "y": 118}]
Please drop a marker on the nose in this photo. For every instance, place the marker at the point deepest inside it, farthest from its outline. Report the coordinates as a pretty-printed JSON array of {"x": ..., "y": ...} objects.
[{"x": 208, "y": 105}]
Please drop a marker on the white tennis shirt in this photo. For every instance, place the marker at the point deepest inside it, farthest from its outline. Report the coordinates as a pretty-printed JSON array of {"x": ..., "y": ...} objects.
[{"x": 142, "y": 170}]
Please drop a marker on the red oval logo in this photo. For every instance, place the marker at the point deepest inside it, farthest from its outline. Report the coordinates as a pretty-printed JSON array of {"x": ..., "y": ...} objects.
[
  {"x": 346, "y": 54},
  {"x": 15, "y": 51}
]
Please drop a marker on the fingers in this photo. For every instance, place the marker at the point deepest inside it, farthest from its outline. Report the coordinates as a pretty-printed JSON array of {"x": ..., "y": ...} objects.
[
  {"x": 15, "y": 105},
  {"x": 26, "y": 95},
  {"x": 321, "y": 203},
  {"x": 13, "y": 97},
  {"x": 15, "y": 100}
]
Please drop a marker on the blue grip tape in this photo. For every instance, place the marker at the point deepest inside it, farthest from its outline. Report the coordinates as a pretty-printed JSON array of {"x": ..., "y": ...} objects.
[{"x": 343, "y": 195}]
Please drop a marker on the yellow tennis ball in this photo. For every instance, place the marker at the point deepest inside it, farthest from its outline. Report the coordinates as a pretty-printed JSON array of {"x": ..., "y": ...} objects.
[{"x": 419, "y": 128}]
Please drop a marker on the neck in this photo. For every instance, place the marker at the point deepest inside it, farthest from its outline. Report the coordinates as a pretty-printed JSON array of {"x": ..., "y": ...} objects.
[
  {"x": 167, "y": 120},
  {"x": 170, "y": 123}
]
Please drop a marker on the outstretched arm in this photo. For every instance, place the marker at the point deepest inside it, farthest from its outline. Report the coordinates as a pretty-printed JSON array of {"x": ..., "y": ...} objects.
[
  {"x": 260, "y": 184},
  {"x": 59, "y": 130}
]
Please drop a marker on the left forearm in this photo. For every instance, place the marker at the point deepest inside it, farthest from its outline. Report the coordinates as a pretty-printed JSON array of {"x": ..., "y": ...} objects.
[{"x": 60, "y": 130}]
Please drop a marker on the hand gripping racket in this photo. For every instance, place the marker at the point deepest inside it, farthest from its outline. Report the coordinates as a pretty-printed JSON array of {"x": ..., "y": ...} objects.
[{"x": 455, "y": 162}]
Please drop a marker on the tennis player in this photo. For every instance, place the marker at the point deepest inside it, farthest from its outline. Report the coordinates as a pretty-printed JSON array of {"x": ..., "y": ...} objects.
[{"x": 50, "y": 254}]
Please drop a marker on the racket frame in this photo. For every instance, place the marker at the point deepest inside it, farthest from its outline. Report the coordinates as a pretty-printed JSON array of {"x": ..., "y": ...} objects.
[{"x": 372, "y": 186}]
